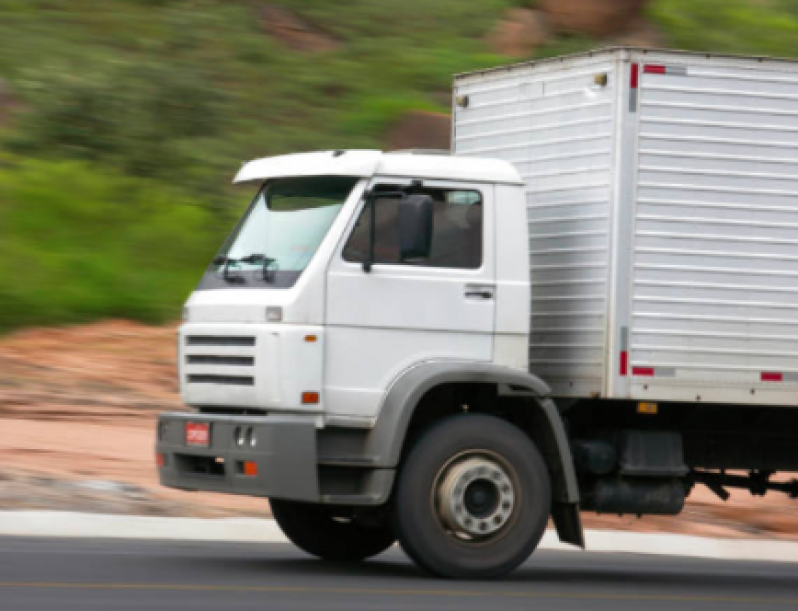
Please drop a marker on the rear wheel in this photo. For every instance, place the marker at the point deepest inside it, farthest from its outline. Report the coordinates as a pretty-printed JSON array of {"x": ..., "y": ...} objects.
[
  {"x": 473, "y": 498},
  {"x": 317, "y": 530}
]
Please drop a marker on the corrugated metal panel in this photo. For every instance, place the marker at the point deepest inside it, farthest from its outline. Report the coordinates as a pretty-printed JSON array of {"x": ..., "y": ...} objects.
[
  {"x": 715, "y": 278},
  {"x": 557, "y": 126}
]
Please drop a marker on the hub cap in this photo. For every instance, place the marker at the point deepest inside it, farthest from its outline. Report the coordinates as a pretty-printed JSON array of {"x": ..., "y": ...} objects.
[{"x": 475, "y": 496}]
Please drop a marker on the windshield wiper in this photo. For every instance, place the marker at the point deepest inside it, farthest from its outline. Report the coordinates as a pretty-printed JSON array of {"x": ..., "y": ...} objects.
[
  {"x": 268, "y": 265},
  {"x": 251, "y": 259}
]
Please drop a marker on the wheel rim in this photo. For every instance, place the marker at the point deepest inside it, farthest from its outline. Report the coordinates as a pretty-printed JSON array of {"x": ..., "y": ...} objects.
[{"x": 475, "y": 496}]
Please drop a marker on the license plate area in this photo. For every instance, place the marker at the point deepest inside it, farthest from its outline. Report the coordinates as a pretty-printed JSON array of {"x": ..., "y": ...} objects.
[{"x": 198, "y": 434}]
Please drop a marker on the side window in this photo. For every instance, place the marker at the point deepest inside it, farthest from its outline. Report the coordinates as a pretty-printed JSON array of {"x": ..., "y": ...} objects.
[{"x": 456, "y": 237}]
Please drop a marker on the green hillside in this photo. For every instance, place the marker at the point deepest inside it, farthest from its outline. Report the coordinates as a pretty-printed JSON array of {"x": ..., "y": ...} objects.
[{"x": 124, "y": 121}]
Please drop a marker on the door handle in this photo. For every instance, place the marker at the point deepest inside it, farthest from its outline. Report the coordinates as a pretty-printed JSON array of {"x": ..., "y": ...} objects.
[{"x": 474, "y": 291}]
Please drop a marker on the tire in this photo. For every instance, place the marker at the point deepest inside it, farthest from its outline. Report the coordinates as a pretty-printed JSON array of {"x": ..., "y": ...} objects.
[
  {"x": 450, "y": 464},
  {"x": 314, "y": 529}
]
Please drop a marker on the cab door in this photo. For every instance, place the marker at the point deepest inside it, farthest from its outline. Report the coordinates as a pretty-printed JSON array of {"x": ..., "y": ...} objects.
[{"x": 382, "y": 322}]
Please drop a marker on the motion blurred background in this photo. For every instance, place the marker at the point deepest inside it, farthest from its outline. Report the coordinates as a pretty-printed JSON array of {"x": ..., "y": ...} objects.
[{"x": 122, "y": 123}]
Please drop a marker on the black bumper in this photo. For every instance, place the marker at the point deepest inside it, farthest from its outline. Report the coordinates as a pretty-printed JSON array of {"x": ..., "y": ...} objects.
[{"x": 284, "y": 453}]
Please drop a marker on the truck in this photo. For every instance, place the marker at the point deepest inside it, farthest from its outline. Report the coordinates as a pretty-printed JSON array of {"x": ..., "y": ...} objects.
[{"x": 590, "y": 305}]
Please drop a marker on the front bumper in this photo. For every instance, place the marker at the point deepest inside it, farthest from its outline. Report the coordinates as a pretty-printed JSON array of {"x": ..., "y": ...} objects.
[{"x": 285, "y": 455}]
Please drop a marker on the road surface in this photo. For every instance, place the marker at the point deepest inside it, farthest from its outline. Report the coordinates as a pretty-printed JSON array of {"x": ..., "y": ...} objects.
[{"x": 100, "y": 574}]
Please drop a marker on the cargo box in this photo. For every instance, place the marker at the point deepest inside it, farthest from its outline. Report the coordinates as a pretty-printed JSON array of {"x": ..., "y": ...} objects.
[{"x": 662, "y": 198}]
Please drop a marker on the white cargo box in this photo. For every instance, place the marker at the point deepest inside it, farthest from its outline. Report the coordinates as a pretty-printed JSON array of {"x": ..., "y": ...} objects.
[{"x": 662, "y": 197}]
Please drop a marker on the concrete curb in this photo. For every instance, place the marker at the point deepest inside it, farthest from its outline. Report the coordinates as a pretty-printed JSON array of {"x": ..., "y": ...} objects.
[
  {"x": 76, "y": 524},
  {"x": 73, "y": 524},
  {"x": 667, "y": 544}
]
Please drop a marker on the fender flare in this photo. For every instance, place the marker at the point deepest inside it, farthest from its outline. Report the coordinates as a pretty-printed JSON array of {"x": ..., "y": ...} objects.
[{"x": 387, "y": 438}]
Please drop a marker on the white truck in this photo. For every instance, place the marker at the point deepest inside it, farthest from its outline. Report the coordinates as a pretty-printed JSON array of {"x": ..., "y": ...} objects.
[{"x": 592, "y": 305}]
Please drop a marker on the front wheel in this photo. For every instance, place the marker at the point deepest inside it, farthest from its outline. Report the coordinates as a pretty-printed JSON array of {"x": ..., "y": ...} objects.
[
  {"x": 316, "y": 530},
  {"x": 473, "y": 498}
]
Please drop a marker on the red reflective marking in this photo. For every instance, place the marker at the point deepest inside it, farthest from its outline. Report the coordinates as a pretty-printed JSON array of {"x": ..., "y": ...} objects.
[
  {"x": 642, "y": 371},
  {"x": 771, "y": 376},
  {"x": 654, "y": 69},
  {"x": 624, "y": 362},
  {"x": 635, "y": 75}
]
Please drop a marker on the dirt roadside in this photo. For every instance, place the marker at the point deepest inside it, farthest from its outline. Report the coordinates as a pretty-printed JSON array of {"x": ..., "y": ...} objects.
[{"x": 77, "y": 415}]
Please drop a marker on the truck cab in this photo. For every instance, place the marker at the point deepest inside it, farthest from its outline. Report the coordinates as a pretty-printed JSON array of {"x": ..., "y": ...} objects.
[
  {"x": 309, "y": 330},
  {"x": 362, "y": 297}
]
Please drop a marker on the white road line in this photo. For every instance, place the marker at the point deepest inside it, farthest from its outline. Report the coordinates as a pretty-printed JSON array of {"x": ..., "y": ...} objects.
[{"x": 73, "y": 524}]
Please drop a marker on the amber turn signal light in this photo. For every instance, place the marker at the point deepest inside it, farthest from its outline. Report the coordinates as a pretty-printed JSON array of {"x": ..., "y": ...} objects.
[
  {"x": 310, "y": 398},
  {"x": 647, "y": 408}
]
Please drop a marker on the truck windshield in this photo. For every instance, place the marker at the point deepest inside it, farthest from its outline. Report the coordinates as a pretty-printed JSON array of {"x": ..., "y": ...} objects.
[{"x": 280, "y": 232}]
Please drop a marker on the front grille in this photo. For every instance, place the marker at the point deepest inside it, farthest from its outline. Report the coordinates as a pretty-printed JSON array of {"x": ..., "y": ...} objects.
[
  {"x": 219, "y": 340},
  {"x": 211, "y": 367},
  {"x": 206, "y": 359},
  {"x": 216, "y": 379}
]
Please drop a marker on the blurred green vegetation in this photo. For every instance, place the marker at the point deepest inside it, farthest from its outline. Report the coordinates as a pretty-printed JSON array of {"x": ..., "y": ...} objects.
[
  {"x": 132, "y": 116},
  {"x": 743, "y": 27},
  {"x": 157, "y": 86},
  {"x": 80, "y": 242}
]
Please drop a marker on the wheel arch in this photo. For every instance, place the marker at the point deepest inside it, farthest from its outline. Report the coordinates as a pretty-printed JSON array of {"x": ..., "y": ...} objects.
[
  {"x": 406, "y": 394},
  {"x": 388, "y": 439}
]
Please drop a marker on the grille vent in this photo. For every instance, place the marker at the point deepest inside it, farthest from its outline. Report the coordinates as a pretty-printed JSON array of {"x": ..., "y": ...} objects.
[
  {"x": 207, "y": 359},
  {"x": 220, "y": 379},
  {"x": 218, "y": 340}
]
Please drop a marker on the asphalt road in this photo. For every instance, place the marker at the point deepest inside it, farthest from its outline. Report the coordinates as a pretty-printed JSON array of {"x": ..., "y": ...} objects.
[{"x": 84, "y": 574}]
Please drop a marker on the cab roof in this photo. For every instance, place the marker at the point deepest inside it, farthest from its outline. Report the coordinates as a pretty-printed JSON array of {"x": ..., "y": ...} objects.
[{"x": 376, "y": 163}]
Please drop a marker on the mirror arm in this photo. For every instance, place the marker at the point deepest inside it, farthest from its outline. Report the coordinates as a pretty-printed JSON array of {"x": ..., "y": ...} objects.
[{"x": 370, "y": 197}]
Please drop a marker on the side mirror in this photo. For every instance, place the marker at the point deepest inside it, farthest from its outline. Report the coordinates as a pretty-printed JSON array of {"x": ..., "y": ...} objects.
[{"x": 415, "y": 220}]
